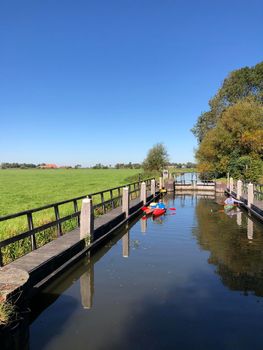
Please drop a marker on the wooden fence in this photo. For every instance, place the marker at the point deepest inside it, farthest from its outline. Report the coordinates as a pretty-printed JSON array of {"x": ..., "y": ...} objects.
[{"x": 103, "y": 202}]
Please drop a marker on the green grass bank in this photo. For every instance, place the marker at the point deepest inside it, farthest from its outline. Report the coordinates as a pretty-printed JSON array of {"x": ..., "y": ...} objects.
[
  {"x": 30, "y": 188},
  {"x": 27, "y": 189}
]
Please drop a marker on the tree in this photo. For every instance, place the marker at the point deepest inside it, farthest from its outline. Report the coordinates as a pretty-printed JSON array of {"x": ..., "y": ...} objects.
[
  {"x": 235, "y": 144},
  {"x": 156, "y": 159},
  {"x": 240, "y": 84}
]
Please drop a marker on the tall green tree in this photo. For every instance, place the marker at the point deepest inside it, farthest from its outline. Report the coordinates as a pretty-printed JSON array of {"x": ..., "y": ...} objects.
[
  {"x": 157, "y": 158},
  {"x": 235, "y": 144},
  {"x": 240, "y": 84}
]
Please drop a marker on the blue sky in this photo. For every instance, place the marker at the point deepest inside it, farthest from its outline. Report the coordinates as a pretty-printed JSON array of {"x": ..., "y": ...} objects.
[{"x": 103, "y": 81}]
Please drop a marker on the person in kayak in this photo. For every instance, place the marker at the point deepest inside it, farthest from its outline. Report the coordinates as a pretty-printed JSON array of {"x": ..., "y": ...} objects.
[
  {"x": 230, "y": 201},
  {"x": 161, "y": 205}
]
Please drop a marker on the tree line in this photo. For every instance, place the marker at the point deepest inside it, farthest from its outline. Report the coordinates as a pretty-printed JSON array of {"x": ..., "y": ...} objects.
[
  {"x": 230, "y": 133},
  {"x": 153, "y": 166}
]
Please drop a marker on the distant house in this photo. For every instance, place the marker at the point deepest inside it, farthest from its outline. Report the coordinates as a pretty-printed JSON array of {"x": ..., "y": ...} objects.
[{"x": 49, "y": 166}]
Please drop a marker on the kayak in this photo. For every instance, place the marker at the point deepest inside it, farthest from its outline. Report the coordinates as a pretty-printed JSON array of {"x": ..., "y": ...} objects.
[
  {"x": 158, "y": 211},
  {"x": 148, "y": 211}
]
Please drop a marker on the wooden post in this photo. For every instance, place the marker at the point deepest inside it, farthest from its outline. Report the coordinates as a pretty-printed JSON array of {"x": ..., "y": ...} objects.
[
  {"x": 231, "y": 185},
  {"x": 125, "y": 201},
  {"x": 160, "y": 183},
  {"x": 87, "y": 219},
  {"x": 59, "y": 228},
  {"x": 143, "y": 192},
  {"x": 228, "y": 181},
  {"x": 239, "y": 189},
  {"x": 31, "y": 227},
  {"x": 250, "y": 194},
  {"x": 153, "y": 186}
]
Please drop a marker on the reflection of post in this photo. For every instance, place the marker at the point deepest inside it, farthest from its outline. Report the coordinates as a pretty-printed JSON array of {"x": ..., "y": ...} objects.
[
  {"x": 249, "y": 229},
  {"x": 239, "y": 217},
  {"x": 126, "y": 245},
  {"x": 143, "y": 225},
  {"x": 87, "y": 287}
]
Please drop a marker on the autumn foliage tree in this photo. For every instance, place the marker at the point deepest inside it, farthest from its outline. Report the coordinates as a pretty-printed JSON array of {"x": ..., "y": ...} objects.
[
  {"x": 235, "y": 144},
  {"x": 230, "y": 133},
  {"x": 238, "y": 85}
]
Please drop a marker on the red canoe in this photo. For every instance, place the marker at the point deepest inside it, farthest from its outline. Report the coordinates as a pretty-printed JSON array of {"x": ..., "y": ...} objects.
[
  {"x": 148, "y": 211},
  {"x": 158, "y": 211}
]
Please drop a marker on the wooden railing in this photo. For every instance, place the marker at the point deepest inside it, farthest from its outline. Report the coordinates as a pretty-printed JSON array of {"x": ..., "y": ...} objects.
[{"x": 103, "y": 202}]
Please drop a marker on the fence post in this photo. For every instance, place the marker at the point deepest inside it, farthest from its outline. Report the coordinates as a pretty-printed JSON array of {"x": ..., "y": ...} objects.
[
  {"x": 87, "y": 219},
  {"x": 31, "y": 227},
  {"x": 125, "y": 201},
  {"x": 143, "y": 193},
  {"x": 153, "y": 187},
  {"x": 250, "y": 194},
  {"x": 59, "y": 228},
  {"x": 231, "y": 185},
  {"x": 1, "y": 258},
  {"x": 239, "y": 189}
]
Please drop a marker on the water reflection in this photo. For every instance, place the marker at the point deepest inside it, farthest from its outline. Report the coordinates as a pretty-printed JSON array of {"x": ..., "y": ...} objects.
[
  {"x": 126, "y": 244},
  {"x": 159, "y": 286},
  {"x": 87, "y": 286},
  {"x": 238, "y": 262},
  {"x": 250, "y": 226}
]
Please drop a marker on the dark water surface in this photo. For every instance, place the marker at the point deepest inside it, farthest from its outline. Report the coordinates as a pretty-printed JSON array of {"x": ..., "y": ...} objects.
[{"x": 193, "y": 280}]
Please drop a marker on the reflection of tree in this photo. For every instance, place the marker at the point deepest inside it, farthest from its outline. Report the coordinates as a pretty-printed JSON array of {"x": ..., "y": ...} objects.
[{"x": 239, "y": 264}]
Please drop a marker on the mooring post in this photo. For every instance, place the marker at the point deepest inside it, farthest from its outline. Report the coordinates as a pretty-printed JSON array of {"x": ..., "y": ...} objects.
[
  {"x": 160, "y": 183},
  {"x": 250, "y": 194},
  {"x": 239, "y": 189},
  {"x": 86, "y": 220},
  {"x": 231, "y": 184},
  {"x": 228, "y": 181},
  {"x": 143, "y": 193},
  {"x": 153, "y": 187},
  {"x": 125, "y": 201}
]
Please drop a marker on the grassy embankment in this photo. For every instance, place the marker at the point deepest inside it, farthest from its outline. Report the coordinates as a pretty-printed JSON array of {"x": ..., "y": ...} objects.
[{"x": 27, "y": 189}]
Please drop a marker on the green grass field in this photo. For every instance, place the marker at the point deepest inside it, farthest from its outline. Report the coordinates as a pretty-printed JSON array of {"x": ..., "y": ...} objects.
[{"x": 27, "y": 189}]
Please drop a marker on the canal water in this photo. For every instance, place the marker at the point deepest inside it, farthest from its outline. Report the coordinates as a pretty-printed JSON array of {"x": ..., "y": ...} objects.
[{"x": 192, "y": 279}]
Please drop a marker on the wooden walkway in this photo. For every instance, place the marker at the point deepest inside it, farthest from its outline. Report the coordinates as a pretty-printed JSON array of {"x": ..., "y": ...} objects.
[{"x": 47, "y": 259}]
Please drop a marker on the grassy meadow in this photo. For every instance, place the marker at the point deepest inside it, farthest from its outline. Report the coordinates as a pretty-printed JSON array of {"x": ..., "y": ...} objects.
[{"x": 31, "y": 188}]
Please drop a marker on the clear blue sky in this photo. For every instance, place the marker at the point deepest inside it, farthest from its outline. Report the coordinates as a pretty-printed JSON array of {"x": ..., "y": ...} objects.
[{"x": 103, "y": 81}]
